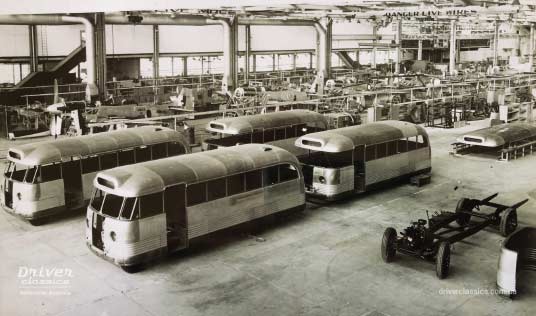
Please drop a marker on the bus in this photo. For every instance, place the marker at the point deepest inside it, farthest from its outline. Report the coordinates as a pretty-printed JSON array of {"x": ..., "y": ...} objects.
[
  {"x": 359, "y": 158},
  {"x": 46, "y": 178},
  {"x": 143, "y": 211},
  {"x": 278, "y": 128}
]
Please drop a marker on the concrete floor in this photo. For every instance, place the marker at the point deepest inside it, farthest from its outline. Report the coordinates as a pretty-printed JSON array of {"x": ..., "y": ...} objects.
[{"x": 324, "y": 261}]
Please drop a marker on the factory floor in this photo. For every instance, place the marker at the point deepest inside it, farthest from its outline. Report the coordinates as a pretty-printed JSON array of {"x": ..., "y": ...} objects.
[{"x": 324, "y": 261}]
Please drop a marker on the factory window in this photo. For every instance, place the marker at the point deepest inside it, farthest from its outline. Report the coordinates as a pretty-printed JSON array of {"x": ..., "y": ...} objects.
[
  {"x": 370, "y": 152},
  {"x": 303, "y": 60},
  {"x": 235, "y": 184},
  {"x": 90, "y": 164},
  {"x": 51, "y": 172},
  {"x": 165, "y": 66},
  {"x": 196, "y": 193},
  {"x": 195, "y": 65},
  {"x": 143, "y": 154},
  {"x": 126, "y": 157},
  {"x": 151, "y": 205},
  {"x": 287, "y": 172},
  {"x": 285, "y": 62},
  {"x": 108, "y": 161},
  {"x": 159, "y": 151},
  {"x": 253, "y": 180},
  {"x": 216, "y": 189},
  {"x": 146, "y": 68},
  {"x": 264, "y": 62},
  {"x": 216, "y": 65},
  {"x": 270, "y": 175},
  {"x": 175, "y": 149}
]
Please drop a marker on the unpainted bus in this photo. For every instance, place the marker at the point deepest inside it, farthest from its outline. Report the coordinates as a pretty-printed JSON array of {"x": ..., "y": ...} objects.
[
  {"x": 279, "y": 129},
  {"x": 143, "y": 211},
  {"x": 359, "y": 158},
  {"x": 49, "y": 177}
]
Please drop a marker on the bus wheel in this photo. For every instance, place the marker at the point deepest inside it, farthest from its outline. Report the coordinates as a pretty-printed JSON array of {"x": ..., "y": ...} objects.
[
  {"x": 443, "y": 260},
  {"x": 463, "y": 206},
  {"x": 389, "y": 245},
  {"x": 37, "y": 221},
  {"x": 135, "y": 268},
  {"x": 508, "y": 222}
]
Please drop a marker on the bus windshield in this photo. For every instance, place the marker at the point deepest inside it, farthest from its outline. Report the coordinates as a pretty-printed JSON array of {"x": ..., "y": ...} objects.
[
  {"x": 114, "y": 206},
  {"x": 20, "y": 173}
]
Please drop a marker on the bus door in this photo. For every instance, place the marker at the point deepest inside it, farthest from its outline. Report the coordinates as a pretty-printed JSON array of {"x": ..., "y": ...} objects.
[
  {"x": 359, "y": 168},
  {"x": 8, "y": 194},
  {"x": 176, "y": 220},
  {"x": 72, "y": 183}
]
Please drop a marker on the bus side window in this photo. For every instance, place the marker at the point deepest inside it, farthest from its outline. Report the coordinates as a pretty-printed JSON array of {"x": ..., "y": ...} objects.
[
  {"x": 175, "y": 149},
  {"x": 421, "y": 141},
  {"x": 159, "y": 151},
  {"x": 257, "y": 137},
  {"x": 287, "y": 172},
  {"x": 268, "y": 135},
  {"x": 279, "y": 133},
  {"x": 216, "y": 189},
  {"x": 108, "y": 161},
  {"x": 235, "y": 184},
  {"x": 270, "y": 176},
  {"x": 402, "y": 145},
  {"x": 391, "y": 148},
  {"x": 90, "y": 164},
  {"x": 290, "y": 131},
  {"x": 196, "y": 193},
  {"x": 359, "y": 153},
  {"x": 50, "y": 172},
  {"x": 412, "y": 143},
  {"x": 253, "y": 180},
  {"x": 151, "y": 205},
  {"x": 143, "y": 154},
  {"x": 126, "y": 157},
  {"x": 381, "y": 150},
  {"x": 370, "y": 152}
]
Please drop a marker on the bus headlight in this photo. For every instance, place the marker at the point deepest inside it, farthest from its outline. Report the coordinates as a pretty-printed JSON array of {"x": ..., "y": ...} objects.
[
  {"x": 322, "y": 179},
  {"x": 112, "y": 235},
  {"x": 19, "y": 196},
  {"x": 87, "y": 223}
]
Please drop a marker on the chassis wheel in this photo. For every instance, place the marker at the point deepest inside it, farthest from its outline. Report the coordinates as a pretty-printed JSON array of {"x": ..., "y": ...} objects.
[
  {"x": 464, "y": 218},
  {"x": 132, "y": 268},
  {"x": 508, "y": 222},
  {"x": 443, "y": 260},
  {"x": 389, "y": 244}
]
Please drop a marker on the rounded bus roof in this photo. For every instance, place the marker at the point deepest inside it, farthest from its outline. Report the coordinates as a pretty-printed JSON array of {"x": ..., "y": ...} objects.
[
  {"x": 347, "y": 138},
  {"x": 154, "y": 176},
  {"x": 499, "y": 135},
  {"x": 51, "y": 151},
  {"x": 249, "y": 123}
]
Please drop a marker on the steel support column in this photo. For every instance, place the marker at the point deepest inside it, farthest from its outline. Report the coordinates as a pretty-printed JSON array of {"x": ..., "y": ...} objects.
[
  {"x": 328, "y": 48},
  {"x": 496, "y": 44},
  {"x": 452, "y": 55},
  {"x": 531, "y": 47},
  {"x": 100, "y": 54},
  {"x": 156, "y": 52},
  {"x": 247, "y": 53},
  {"x": 419, "y": 51},
  {"x": 398, "y": 41},
  {"x": 34, "y": 52},
  {"x": 374, "y": 42}
]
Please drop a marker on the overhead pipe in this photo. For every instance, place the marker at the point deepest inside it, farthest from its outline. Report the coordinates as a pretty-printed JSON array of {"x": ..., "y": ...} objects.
[
  {"x": 38, "y": 19},
  {"x": 195, "y": 20},
  {"x": 322, "y": 63}
]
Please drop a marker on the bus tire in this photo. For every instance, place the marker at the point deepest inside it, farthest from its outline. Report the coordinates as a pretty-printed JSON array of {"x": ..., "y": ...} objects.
[
  {"x": 389, "y": 245},
  {"x": 508, "y": 222},
  {"x": 37, "y": 221},
  {"x": 135, "y": 268},
  {"x": 463, "y": 218},
  {"x": 443, "y": 260}
]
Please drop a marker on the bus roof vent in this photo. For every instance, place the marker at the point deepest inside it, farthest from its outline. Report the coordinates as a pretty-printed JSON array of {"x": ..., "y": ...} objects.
[
  {"x": 312, "y": 143},
  {"x": 14, "y": 155},
  {"x": 267, "y": 148},
  {"x": 216, "y": 126},
  {"x": 105, "y": 183}
]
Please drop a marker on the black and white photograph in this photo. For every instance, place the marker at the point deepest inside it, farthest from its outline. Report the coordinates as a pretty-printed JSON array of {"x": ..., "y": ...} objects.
[{"x": 268, "y": 158}]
